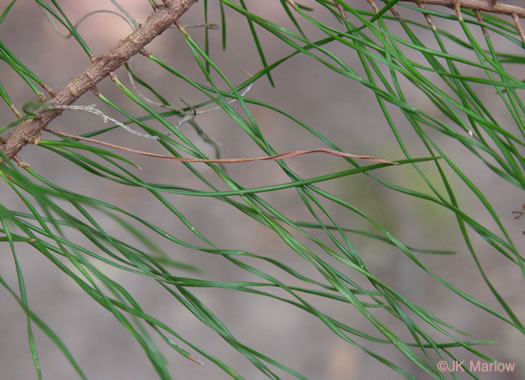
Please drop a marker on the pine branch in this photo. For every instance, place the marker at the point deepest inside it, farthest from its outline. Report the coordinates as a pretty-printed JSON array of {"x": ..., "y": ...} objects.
[
  {"x": 477, "y": 5},
  {"x": 101, "y": 67}
]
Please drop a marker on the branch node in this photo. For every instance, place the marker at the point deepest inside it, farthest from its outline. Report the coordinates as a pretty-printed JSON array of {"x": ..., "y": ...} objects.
[
  {"x": 165, "y": 4},
  {"x": 33, "y": 140},
  {"x": 517, "y": 22},
  {"x": 75, "y": 94},
  {"x": 48, "y": 89},
  {"x": 457, "y": 8},
  {"x": 22, "y": 164},
  {"x": 133, "y": 39},
  {"x": 181, "y": 28}
]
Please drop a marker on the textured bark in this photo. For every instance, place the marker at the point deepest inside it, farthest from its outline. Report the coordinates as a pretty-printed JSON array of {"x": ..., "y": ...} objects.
[
  {"x": 479, "y": 5},
  {"x": 101, "y": 67}
]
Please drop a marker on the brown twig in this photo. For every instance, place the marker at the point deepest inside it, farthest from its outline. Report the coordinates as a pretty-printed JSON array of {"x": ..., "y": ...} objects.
[
  {"x": 480, "y": 5},
  {"x": 226, "y": 160},
  {"x": 101, "y": 67}
]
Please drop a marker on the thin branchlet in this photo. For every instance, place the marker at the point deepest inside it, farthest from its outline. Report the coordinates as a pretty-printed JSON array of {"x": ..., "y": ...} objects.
[{"x": 479, "y": 5}]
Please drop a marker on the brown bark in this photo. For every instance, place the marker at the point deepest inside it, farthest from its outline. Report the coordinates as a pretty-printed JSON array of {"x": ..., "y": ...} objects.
[
  {"x": 479, "y": 5},
  {"x": 101, "y": 67}
]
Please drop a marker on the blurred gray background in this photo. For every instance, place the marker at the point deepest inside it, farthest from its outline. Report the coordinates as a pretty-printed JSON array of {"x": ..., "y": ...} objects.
[{"x": 342, "y": 110}]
